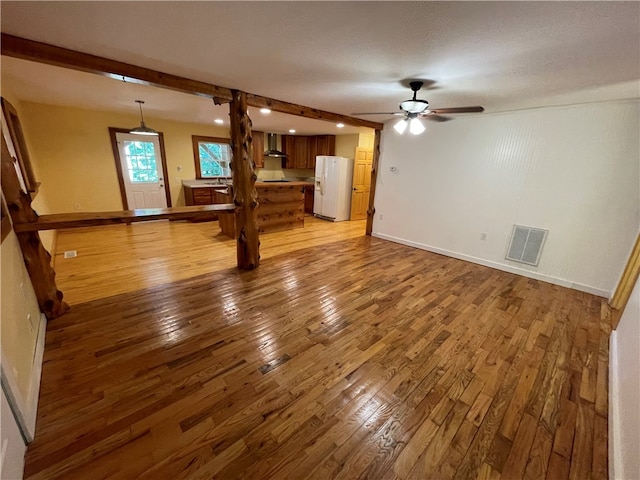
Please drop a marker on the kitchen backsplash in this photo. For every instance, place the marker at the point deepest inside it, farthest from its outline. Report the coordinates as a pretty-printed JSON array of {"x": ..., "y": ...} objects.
[{"x": 273, "y": 171}]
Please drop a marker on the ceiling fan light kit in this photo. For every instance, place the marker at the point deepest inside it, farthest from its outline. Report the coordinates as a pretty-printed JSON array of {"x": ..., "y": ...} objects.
[
  {"x": 143, "y": 129},
  {"x": 401, "y": 126},
  {"x": 416, "y": 127},
  {"x": 415, "y": 108}
]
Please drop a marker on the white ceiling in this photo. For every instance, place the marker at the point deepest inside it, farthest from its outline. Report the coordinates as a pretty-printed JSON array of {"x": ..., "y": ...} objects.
[{"x": 342, "y": 57}]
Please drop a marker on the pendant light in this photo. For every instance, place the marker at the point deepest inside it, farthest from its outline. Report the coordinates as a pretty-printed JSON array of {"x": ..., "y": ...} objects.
[{"x": 142, "y": 129}]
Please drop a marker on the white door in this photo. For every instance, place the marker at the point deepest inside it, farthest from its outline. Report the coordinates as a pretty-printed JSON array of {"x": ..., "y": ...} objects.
[{"x": 142, "y": 171}]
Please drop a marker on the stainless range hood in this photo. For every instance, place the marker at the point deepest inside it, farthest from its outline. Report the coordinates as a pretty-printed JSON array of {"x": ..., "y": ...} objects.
[{"x": 272, "y": 147}]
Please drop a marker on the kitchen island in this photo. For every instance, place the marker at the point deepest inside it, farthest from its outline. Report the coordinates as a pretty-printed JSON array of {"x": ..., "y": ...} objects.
[{"x": 281, "y": 207}]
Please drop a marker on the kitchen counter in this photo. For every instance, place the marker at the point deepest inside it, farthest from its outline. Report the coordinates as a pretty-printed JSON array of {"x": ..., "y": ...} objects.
[
  {"x": 205, "y": 183},
  {"x": 263, "y": 184},
  {"x": 281, "y": 207}
]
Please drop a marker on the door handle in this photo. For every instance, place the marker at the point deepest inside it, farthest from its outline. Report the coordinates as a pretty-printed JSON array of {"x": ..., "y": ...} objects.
[{"x": 354, "y": 189}]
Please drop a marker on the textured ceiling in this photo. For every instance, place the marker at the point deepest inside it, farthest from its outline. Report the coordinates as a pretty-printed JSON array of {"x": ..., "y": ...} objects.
[{"x": 341, "y": 56}]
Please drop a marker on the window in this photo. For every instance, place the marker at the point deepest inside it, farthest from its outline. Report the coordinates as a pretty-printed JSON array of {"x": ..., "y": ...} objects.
[
  {"x": 141, "y": 162},
  {"x": 212, "y": 156}
]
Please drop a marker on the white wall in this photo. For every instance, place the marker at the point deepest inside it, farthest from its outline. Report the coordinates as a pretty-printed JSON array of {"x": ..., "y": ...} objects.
[
  {"x": 624, "y": 392},
  {"x": 572, "y": 170}
]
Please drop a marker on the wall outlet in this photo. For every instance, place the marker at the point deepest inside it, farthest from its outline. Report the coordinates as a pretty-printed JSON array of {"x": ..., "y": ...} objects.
[
  {"x": 380, "y": 216},
  {"x": 483, "y": 236},
  {"x": 178, "y": 180}
]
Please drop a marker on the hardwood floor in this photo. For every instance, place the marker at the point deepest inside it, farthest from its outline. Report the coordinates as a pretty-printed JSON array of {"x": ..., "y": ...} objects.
[
  {"x": 358, "y": 358},
  {"x": 119, "y": 258}
]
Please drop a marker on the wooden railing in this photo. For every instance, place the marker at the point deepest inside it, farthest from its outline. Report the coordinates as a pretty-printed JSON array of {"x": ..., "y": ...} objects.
[{"x": 89, "y": 219}]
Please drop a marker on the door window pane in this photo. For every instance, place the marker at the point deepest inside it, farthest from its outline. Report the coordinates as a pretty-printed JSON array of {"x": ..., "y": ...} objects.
[{"x": 141, "y": 162}]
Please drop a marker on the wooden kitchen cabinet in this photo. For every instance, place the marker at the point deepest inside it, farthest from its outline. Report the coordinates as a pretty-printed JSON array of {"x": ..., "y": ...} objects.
[
  {"x": 288, "y": 146},
  {"x": 301, "y": 150},
  {"x": 198, "y": 196},
  {"x": 206, "y": 196},
  {"x": 258, "y": 148},
  {"x": 308, "y": 199},
  {"x": 312, "y": 147},
  {"x": 325, "y": 145}
]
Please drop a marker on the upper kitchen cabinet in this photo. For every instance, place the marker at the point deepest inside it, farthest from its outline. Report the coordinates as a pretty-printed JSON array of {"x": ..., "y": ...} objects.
[
  {"x": 325, "y": 145},
  {"x": 258, "y": 148},
  {"x": 301, "y": 150}
]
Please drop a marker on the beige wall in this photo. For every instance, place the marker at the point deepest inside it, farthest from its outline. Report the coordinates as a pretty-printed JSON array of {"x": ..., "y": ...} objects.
[
  {"x": 20, "y": 314},
  {"x": 72, "y": 153},
  {"x": 346, "y": 145},
  {"x": 273, "y": 170},
  {"x": 365, "y": 140}
]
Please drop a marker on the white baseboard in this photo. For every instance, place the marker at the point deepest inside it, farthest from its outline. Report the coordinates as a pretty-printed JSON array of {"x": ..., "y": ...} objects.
[{"x": 498, "y": 266}]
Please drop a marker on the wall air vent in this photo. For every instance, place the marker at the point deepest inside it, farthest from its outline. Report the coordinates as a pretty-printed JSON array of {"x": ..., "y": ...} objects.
[
  {"x": 526, "y": 244},
  {"x": 70, "y": 254}
]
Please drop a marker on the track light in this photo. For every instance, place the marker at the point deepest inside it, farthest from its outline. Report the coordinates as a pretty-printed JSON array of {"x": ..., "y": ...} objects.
[
  {"x": 401, "y": 126},
  {"x": 415, "y": 126}
]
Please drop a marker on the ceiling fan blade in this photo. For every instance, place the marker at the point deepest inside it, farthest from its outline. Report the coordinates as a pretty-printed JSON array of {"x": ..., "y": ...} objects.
[
  {"x": 477, "y": 109},
  {"x": 379, "y": 113},
  {"x": 437, "y": 118}
]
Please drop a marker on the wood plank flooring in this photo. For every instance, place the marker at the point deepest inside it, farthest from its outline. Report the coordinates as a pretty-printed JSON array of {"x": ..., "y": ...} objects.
[
  {"x": 120, "y": 258},
  {"x": 357, "y": 358}
]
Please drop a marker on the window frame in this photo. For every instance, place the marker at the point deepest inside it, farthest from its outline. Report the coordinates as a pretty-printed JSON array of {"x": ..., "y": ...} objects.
[{"x": 195, "y": 141}]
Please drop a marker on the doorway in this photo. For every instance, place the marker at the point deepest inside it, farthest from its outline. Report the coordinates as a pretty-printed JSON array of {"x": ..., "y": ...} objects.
[
  {"x": 361, "y": 188},
  {"x": 142, "y": 169}
]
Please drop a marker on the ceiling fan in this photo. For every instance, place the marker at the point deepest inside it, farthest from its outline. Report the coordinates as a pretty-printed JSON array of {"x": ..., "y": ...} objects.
[{"x": 416, "y": 108}]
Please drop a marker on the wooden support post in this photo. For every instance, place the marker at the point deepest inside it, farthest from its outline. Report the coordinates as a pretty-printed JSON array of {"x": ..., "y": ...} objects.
[
  {"x": 371, "y": 211},
  {"x": 36, "y": 258},
  {"x": 245, "y": 196}
]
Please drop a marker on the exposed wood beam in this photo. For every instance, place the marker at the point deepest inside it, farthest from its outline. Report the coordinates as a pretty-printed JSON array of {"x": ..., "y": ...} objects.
[
  {"x": 25, "y": 49},
  {"x": 626, "y": 284},
  {"x": 89, "y": 219},
  {"x": 245, "y": 196},
  {"x": 36, "y": 259},
  {"x": 371, "y": 211},
  {"x": 62, "y": 57},
  {"x": 308, "y": 112}
]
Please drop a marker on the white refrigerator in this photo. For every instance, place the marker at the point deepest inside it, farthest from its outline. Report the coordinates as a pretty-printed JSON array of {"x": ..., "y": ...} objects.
[{"x": 332, "y": 193}]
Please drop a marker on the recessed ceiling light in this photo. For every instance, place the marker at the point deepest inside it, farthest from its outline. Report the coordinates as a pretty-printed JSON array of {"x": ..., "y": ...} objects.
[
  {"x": 265, "y": 111},
  {"x": 219, "y": 121},
  {"x": 340, "y": 125},
  {"x": 291, "y": 130}
]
